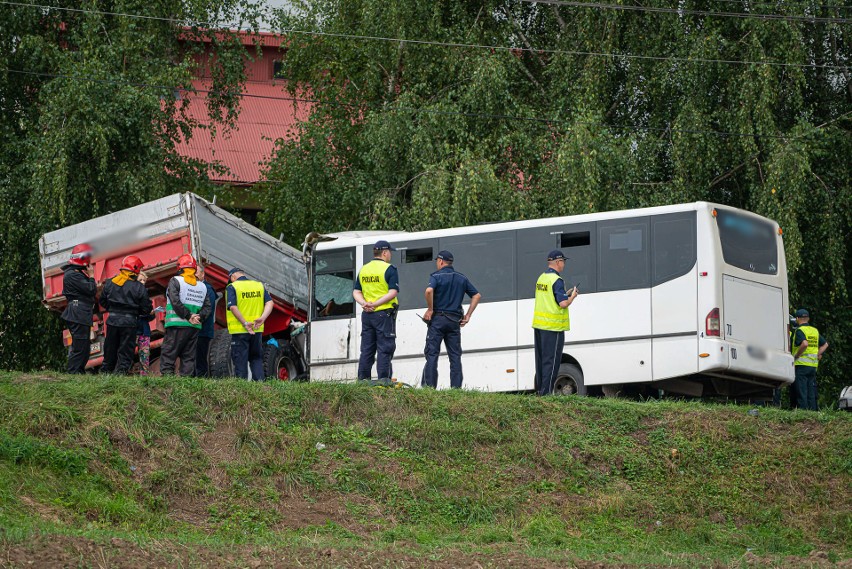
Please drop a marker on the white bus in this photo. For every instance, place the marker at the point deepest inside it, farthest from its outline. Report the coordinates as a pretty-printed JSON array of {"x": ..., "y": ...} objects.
[{"x": 691, "y": 299}]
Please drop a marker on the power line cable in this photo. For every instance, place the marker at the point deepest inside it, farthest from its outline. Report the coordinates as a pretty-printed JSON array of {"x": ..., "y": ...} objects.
[
  {"x": 679, "y": 11},
  {"x": 629, "y": 56},
  {"x": 170, "y": 89},
  {"x": 748, "y": 4}
]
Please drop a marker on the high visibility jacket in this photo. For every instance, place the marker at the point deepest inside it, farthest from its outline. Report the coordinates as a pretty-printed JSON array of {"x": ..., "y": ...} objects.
[
  {"x": 250, "y": 303},
  {"x": 809, "y": 356},
  {"x": 548, "y": 315},
  {"x": 373, "y": 283},
  {"x": 192, "y": 297}
]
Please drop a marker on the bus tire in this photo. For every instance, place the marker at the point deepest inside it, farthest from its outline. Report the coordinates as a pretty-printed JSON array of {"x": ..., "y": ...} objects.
[
  {"x": 280, "y": 362},
  {"x": 569, "y": 381},
  {"x": 219, "y": 358}
]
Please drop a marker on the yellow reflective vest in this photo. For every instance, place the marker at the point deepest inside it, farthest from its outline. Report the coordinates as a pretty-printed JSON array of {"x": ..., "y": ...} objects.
[
  {"x": 548, "y": 315},
  {"x": 810, "y": 356},
  {"x": 373, "y": 283},
  {"x": 250, "y": 303}
]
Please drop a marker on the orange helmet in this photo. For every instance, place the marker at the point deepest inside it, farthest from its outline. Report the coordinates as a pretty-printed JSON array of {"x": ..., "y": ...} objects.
[
  {"x": 187, "y": 262},
  {"x": 81, "y": 255},
  {"x": 132, "y": 263}
]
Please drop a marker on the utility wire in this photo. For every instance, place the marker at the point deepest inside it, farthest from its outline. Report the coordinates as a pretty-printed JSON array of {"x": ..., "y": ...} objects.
[
  {"x": 541, "y": 120},
  {"x": 628, "y": 56},
  {"x": 749, "y": 4},
  {"x": 679, "y": 11}
]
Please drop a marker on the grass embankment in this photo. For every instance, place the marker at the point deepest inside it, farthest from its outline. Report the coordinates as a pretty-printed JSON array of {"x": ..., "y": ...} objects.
[{"x": 111, "y": 471}]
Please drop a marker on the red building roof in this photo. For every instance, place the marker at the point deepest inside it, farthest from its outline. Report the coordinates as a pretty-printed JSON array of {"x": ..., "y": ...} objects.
[{"x": 242, "y": 149}]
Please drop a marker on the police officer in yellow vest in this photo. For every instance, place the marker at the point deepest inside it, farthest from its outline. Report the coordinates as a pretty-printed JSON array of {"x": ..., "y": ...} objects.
[
  {"x": 249, "y": 305},
  {"x": 808, "y": 348},
  {"x": 550, "y": 321},
  {"x": 375, "y": 291}
]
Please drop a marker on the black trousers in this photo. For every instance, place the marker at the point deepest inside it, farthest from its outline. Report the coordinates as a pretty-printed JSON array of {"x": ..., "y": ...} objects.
[
  {"x": 548, "y": 357},
  {"x": 202, "y": 351},
  {"x": 119, "y": 349},
  {"x": 81, "y": 343},
  {"x": 179, "y": 342},
  {"x": 247, "y": 350}
]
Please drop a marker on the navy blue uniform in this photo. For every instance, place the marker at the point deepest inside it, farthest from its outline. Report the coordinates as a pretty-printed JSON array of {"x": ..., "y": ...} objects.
[
  {"x": 246, "y": 349},
  {"x": 804, "y": 393},
  {"x": 549, "y": 346},
  {"x": 205, "y": 335},
  {"x": 79, "y": 290},
  {"x": 449, "y": 289},
  {"x": 378, "y": 334}
]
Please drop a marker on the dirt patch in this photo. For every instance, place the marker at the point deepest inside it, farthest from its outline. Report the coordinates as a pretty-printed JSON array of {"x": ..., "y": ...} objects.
[
  {"x": 63, "y": 551},
  {"x": 44, "y": 511}
]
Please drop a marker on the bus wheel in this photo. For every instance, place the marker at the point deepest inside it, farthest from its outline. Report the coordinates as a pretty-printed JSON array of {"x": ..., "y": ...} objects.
[
  {"x": 278, "y": 363},
  {"x": 569, "y": 381}
]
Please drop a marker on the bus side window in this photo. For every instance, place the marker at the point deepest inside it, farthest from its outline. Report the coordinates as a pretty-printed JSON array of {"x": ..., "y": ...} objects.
[
  {"x": 334, "y": 277},
  {"x": 488, "y": 260},
  {"x": 415, "y": 261},
  {"x": 623, "y": 259},
  {"x": 674, "y": 245}
]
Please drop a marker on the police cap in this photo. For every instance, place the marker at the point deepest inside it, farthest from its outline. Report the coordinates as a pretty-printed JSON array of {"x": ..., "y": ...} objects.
[
  {"x": 383, "y": 245},
  {"x": 234, "y": 270},
  {"x": 445, "y": 256},
  {"x": 555, "y": 255},
  {"x": 802, "y": 313}
]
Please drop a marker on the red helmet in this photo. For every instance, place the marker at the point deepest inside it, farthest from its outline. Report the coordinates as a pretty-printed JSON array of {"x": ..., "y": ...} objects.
[
  {"x": 187, "y": 262},
  {"x": 81, "y": 255},
  {"x": 132, "y": 263}
]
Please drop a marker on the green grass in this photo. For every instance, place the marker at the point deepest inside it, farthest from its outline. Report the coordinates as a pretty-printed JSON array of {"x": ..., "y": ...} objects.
[{"x": 222, "y": 464}]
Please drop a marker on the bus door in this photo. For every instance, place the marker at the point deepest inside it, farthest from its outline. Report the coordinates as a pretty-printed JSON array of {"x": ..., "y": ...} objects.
[
  {"x": 674, "y": 299},
  {"x": 333, "y": 308},
  {"x": 618, "y": 318}
]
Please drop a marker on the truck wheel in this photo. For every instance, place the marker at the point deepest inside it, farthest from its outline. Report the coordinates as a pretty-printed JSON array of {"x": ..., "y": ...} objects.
[
  {"x": 219, "y": 358},
  {"x": 569, "y": 381},
  {"x": 279, "y": 362}
]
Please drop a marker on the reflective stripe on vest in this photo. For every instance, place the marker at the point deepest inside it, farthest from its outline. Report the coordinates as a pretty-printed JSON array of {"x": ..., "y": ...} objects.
[
  {"x": 192, "y": 297},
  {"x": 548, "y": 315},
  {"x": 810, "y": 356},
  {"x": 250, "y": 303},
  {"x": 373, "y": 283}
]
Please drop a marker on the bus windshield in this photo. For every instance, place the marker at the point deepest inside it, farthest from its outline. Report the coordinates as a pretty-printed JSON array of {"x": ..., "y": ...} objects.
[{"x": 748, "y": 243}]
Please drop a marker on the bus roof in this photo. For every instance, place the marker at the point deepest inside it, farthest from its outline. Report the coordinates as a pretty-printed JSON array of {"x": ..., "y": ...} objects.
[{"x": 356, "y": 238}]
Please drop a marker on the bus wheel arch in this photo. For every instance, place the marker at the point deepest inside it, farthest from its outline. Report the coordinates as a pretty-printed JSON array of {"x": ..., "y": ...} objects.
[{"x": 570, "y": 379}]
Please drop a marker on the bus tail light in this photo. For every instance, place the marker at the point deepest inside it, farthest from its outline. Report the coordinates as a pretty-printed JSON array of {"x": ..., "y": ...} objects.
[{"x": 712, "y": 327}]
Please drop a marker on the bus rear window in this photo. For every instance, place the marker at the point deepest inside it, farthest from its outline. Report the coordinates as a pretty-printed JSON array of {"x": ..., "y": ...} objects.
[{"x": 748, "y": 243}]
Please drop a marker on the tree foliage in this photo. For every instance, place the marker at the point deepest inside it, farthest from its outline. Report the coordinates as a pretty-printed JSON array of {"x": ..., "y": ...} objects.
[
  {"x": 88, "y": 126},
  {"x": 420, "y": 136}
]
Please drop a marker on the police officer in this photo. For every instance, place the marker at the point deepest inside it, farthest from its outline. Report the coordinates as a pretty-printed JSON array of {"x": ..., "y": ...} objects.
[
  {"x": 808, "y": 348},
  {"x": 79, "y": 289},
  {"x": 550, "y": 321},
  {"x": 249, "y": 305},
  {"x": 375, "y": 290},
  {"x": 445, "y": 317},
  {"x": 187, "y": 305},
  {"x": 126, "y": 299}
]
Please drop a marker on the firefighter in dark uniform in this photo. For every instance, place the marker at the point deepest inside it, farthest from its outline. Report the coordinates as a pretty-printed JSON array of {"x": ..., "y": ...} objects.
[
  {"x": 126, "y": 299},
  {"x": 79, "y": 290},
  {"x": 808, "y": 348},
  {"x": 550, "y": 322},
  {"x": 376, "y": 289},
  {"x": 445, "y": 317}
]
